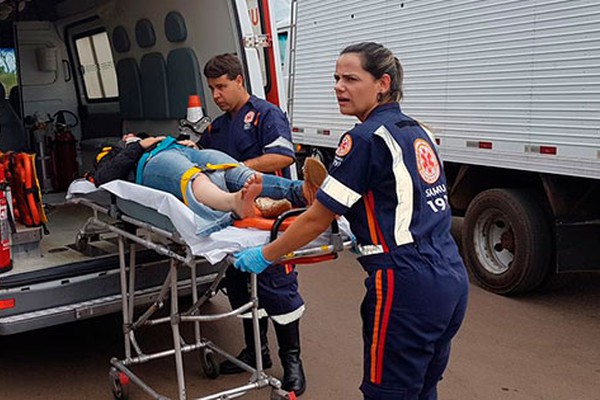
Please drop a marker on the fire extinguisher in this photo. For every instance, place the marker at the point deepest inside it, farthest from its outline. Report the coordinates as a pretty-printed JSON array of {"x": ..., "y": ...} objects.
[
  {"x": 5, "y": 226},
  {"x": 64, "y": 152}
]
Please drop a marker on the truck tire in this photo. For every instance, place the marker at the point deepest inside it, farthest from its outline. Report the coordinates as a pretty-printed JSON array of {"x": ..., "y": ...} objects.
[{"x": 507, "y": 242}]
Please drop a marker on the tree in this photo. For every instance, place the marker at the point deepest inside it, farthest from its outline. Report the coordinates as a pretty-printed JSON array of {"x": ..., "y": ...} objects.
[{"x": 7, "y": 60}]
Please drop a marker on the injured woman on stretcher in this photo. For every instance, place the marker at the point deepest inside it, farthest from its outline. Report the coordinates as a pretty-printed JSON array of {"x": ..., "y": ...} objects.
[{"x": 216, "y": 187}]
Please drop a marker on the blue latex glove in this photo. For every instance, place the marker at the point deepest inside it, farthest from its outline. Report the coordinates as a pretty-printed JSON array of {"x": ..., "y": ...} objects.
[{"x": 251, "y": 260}]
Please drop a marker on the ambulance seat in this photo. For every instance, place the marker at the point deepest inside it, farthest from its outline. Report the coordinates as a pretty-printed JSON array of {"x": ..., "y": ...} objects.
[
  {"x": 130, "y": 89},
  {"x": 155, "y": 95},
  {"x": 183, "y": 73}
]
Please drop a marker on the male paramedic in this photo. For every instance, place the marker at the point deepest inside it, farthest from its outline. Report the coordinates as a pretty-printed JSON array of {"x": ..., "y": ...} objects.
[{"x": 257, "y": 133}]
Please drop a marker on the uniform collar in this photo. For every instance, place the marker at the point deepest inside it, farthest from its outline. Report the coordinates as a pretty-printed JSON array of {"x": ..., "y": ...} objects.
[
  {"x": 244, "y": 109},
  {"x": 252, "y": 100},
  {"x": 384, "y": 107}
]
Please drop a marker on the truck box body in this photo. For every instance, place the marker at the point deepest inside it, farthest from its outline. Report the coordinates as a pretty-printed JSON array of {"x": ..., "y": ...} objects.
[
  {"x": 107, "y": 67},
  {"x": 519, "y": 77},
  {"x": 511, "y": 91}
]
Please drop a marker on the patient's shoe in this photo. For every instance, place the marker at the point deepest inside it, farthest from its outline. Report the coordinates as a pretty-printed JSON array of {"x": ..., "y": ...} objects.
[
  {"x": 314, "y": 174},
  {"x": 270, "y": 208}
]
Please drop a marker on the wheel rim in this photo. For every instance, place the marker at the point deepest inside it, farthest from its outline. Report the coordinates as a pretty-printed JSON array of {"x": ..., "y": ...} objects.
[{"x": 494, "y": 242}]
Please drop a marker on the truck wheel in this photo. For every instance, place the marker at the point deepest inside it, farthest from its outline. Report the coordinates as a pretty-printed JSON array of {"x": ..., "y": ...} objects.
[{"x": 507, "y": 242}]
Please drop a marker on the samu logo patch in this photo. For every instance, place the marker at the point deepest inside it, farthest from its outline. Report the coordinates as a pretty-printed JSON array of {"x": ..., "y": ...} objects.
[
  {"x": 427, "y": 161},
  {"x": 345, "y": 146},
  {"x": 248, "y": 118}
]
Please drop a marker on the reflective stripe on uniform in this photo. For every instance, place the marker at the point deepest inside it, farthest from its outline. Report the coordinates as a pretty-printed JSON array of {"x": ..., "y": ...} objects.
[
  {"x": 384, "y": 324},
  {"x": 379, "y": 297},
  {"x": 339, "y": 192},
  {"x": 383, "y": 308},
  {"x": 404, "y": 189},
  {"x": 369, "y": 249},
  {"x": 374, "y": 227},
  {"x": 282, "y": 319},
  {"x": 280, "y": 142}
]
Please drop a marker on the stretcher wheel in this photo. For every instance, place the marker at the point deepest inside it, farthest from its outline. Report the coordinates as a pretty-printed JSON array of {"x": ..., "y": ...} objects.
[
  {"x": 81, "y": 242},
  {"x": 280, "y": 394},
  {"x": 119, "y": 383},
  {"x": 209, "y": 365}
]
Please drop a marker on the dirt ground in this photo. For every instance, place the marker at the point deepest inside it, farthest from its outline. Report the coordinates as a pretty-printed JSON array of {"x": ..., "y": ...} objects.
[{"x": 544, "y": 346}]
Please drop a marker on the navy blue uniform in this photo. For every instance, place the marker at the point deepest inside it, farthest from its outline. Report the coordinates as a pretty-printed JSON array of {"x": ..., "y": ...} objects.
[
  {"x": 387, "y": 179},
  {"x": 258, "y": 128}
]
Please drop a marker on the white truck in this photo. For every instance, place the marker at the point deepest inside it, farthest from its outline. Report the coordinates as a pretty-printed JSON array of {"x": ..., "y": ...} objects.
[
  {"x": 107, "y": 67},
  {"x": 511, "y": 90}
]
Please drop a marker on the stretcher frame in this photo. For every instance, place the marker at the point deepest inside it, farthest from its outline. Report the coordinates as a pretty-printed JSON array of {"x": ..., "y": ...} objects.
[{"x": 121, "y": 374}]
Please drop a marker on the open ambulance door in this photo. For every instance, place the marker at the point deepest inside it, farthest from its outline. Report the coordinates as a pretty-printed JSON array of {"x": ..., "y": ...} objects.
[{"x": 261, "y": 46}]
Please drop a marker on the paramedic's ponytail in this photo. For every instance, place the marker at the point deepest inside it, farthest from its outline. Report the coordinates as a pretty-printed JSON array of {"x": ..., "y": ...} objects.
[{"x": 378, "y": 60}]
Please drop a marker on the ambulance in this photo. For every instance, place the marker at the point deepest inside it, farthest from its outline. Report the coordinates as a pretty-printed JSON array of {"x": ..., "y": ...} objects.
[
  {"x": 76, "y": 75},
  {"x": 511, "y": 90}
]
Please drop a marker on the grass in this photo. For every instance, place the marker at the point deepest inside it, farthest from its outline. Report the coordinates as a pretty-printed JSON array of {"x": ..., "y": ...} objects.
[{"x": 8, "y": 80}]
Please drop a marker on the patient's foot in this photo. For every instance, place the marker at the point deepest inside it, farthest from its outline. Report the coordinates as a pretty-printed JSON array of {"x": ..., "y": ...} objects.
[
  {"x": 244, "y": 206},
  {"x": 314, "y": 175}
]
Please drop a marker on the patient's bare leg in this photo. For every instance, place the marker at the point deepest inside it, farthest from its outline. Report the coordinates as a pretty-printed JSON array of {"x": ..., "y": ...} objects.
[{"x": 241, "y": 202}]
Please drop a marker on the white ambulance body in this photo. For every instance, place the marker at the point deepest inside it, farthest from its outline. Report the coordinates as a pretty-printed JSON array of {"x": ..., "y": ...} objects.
[
  {"x": 511, "y": 90},
  {"x": 107, "y": 67}
]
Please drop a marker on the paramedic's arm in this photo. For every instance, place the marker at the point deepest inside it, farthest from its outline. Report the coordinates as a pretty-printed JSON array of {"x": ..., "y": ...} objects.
[
  {"x": 269, "y": 162},
  {"x": 121, "y": 165},
  {"x": 302, "y": 231}
]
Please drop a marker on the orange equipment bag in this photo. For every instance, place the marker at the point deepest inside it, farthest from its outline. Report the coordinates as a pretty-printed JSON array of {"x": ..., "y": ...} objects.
[{"x": 25, "y": 188}]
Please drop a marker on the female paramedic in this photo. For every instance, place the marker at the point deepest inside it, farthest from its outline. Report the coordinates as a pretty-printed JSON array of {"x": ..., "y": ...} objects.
[{"x": 387, "y": 179}]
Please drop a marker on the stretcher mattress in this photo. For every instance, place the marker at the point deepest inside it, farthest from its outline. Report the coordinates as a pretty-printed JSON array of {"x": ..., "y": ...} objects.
[{"x": 165, "y": 211}]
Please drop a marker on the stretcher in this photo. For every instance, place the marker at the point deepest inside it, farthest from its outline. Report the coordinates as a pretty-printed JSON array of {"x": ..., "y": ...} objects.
[{"x": 159, "y": 221}]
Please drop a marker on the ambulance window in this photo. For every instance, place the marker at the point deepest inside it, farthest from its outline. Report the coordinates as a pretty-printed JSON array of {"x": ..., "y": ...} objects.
[
  {"x": 97, "y": 66},
  {"x": 8, "y": 69},
  {"x": 283, "y": 49}
]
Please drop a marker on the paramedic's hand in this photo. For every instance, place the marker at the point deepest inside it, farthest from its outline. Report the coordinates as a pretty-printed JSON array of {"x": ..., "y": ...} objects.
[
  {"x": 251, "y": 260},
  {"x": 188, "y": 143},
  {"x": 151, "y": 141}
]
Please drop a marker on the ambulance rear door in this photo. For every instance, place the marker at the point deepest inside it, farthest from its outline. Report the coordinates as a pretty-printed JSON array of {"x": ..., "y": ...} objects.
[{"x": 261, "y": 50}]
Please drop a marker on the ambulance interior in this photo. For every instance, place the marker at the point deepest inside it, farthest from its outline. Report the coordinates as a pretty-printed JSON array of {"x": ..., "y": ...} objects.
[{"x": 82, "y": 73}]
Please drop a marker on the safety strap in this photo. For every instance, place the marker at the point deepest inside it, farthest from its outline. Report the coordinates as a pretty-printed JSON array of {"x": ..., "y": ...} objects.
[
  {"x": 38, "y": 196},
  {"x": 187, "y": 176},
  {"x": 191, "y": 173},
  {"x": 103, "y": 153}
]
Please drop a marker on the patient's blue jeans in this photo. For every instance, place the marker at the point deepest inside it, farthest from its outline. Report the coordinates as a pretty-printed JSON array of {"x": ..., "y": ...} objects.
[{"x": 164, "y": 171}]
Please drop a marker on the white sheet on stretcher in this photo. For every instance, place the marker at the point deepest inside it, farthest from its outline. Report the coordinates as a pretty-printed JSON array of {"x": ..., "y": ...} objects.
[{"x": 214, "y": 247}]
